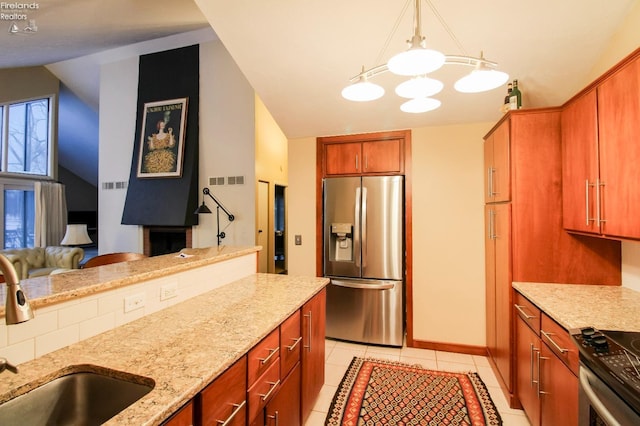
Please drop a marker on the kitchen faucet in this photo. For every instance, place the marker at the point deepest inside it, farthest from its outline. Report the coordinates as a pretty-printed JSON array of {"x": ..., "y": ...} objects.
[{"x": 17, "y": 308}]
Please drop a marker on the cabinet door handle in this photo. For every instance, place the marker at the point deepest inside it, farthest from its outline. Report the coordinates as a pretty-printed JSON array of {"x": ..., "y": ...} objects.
[
  {"x": 366, "y": 162},
  {"x": 272, "y": 352},
  {"x": 356, "y": 161},
  {"x": 273, "y": 387},
  {"x": 295, "y": 343},
  {"x": 532, "y": 350},
  {"x": 490, "y": 192},
  {"x": 599, "y": 218},
  {"x": 235, "y": 413},
  {"x": 587, "y": 186},
  {"x": 540, "y": 391},
  {"x": 308, "y": 347},
  {"x": 548, "y": 336},
  {"x": 521, "y": 310},
  {"x": 274, "y": 417}
]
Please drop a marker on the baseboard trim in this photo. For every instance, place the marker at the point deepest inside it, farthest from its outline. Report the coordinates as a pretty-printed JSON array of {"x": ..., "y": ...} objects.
[{"x": 449, "y": 347}]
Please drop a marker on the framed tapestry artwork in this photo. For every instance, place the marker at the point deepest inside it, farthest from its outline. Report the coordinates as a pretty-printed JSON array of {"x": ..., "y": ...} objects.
[{"x": 162, "y": 139}]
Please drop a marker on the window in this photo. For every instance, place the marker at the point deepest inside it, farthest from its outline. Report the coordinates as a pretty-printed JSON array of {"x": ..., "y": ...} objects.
[
  {"x": 19, "y": 217},
  {"x": 26, "y": 137}
]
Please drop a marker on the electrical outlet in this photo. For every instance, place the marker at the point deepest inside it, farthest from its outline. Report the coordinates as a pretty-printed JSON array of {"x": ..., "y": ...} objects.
[
  {"x": 168, "y": 291},
  {"x": 133, "y": 302}
]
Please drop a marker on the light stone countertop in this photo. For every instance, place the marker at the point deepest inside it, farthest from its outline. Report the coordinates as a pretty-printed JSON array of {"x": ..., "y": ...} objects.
[
  {"x": 574, "y": 306},
  {"x": 181, "y": 348},
  {"x": 48, "y": 290}
]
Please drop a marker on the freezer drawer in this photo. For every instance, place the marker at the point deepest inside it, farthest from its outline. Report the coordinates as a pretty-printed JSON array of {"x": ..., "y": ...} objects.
[{"x": 366, "y": 311}]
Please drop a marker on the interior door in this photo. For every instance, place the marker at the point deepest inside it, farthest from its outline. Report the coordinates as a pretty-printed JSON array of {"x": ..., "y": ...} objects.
[{"x": 262, "y": 233}]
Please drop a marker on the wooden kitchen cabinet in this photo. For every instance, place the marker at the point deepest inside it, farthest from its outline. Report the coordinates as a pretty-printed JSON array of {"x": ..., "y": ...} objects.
[
  {"x": 527, "y": 373},
  {"x": 497, "y": 178},
  {"x": 546, "y": 368},
  {"x": 525, "y": 238},
  {"x": 226, "y": 398},
  {"x": 600, "y": 130},
  {"x": 357, "y": 155},
  {"x": 313, "y": 333},
  {"x": 284, "y": 408},
  {"x": 498, "y": 286},
  {"x": 184, "y": 417}
]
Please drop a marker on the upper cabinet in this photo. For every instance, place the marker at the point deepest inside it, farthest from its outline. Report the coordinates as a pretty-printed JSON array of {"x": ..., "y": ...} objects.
[
  {"x": 497, "y": 178},
  {"x": 600, "y": 153},
  {"x": 372, "y": 154}
]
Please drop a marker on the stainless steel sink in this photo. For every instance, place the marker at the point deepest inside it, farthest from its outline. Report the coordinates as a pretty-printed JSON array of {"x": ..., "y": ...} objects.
[{"x": 80, "y": 398}]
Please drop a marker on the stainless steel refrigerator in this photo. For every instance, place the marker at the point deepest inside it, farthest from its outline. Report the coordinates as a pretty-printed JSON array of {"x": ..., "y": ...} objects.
[{"x": 363, "y": 222}]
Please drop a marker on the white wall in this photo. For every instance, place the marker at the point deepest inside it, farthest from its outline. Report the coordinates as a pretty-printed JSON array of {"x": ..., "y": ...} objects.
[
  {"x": 301, "y": 210},
  {"x": 227, "y": 145}
]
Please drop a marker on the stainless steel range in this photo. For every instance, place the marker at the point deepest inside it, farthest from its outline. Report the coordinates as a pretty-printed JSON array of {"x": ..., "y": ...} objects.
[{"x": 609, "y": 377}]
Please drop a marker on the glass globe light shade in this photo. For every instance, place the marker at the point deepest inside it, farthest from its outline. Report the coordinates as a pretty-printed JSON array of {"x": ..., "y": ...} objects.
[
  {"x": 419, "y": 87},
  {"x": 481, "y": 80},
  {"x": 416, "y": 61},
  {"x": 420, "y": 105},
  {"x": 362, "y": 91}
]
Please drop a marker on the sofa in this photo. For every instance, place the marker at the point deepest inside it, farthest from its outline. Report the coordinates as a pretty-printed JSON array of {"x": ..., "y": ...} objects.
[{"x": 39, "y": 261}]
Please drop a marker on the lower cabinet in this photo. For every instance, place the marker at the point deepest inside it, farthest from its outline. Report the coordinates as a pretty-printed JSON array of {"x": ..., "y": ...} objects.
[
  {"x": 184, "y": 417},
  {"x": 225, "y": 399},
  {"x": 274, "y": 383},
  {"x": 546, "y": 368},
  {"x": 284, "y": 408}
]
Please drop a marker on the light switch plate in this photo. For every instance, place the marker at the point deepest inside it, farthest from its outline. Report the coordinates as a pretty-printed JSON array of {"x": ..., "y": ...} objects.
[{"x": 298, "y": 240}]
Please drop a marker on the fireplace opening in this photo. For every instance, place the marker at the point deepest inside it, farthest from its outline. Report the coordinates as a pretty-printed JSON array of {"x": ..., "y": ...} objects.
[{"x": 166, "y": 239}]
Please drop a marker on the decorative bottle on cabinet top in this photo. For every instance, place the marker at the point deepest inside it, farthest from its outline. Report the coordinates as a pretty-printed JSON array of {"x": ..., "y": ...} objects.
[
  {"x": 507, "y": 99},
  {"x": 515, "y": 100}
]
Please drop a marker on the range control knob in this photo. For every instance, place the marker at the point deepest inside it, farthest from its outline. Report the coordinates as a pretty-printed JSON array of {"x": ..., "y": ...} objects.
[
  {"x": 587, "y": 333},
  {"x": 599, "y": 342}
]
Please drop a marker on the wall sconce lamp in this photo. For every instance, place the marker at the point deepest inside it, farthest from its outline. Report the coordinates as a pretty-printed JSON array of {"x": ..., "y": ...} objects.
[{"x": 203, "y": 209}]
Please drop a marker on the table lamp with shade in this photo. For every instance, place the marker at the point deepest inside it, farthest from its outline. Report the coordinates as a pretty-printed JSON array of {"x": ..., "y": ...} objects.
[{"x": 76, "y": 235}]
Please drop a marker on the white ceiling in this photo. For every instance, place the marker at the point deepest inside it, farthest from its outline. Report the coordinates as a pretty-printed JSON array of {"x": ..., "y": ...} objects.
[{"x": 299, "y": 54}]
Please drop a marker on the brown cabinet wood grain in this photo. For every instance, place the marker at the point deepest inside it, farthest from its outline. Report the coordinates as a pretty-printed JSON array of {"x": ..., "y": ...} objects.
[
  {"x": 619, "y": 136},
  {"x": 284, "y": 408},
  {"x": 290, "y": 343},
  {"x": 361, "y": 155},
  {"x": 184, "y": 417},
  {"x": 529, "y": 242},
  {"x": 527, "y": 373},
  {"x": 313, "y": 334},
  {"x": 546, "y": 368},
  {"x": 600, "y": 130},
  {"x": 225, "y": 398},
  {"x": 497, "y": 176},
  {"x": 558, "y": 391}
]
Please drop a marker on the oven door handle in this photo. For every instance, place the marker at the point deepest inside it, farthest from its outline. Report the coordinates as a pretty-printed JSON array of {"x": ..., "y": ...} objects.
[{"x": 594, "y": 400}]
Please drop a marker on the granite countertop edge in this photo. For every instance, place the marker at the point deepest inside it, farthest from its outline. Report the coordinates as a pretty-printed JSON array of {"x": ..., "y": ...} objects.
[
  {"x": 181, "y": 348},
  {"x": 49, "y": 290},
  {"x": 574, "y": 306}
]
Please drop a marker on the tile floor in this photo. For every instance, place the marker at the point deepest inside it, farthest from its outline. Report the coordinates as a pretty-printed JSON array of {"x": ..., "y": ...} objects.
[{"x": 339, "y": 356}]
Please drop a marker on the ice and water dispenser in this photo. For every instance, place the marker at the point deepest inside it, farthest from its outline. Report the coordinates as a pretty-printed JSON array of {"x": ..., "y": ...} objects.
[{"x": 341, "y": 242}]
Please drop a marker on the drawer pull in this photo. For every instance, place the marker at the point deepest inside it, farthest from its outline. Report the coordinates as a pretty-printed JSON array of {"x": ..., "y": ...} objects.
[
  {"x": 274, "y": 417},
  {"x": 274, "y": 385},
  {"x": 272, "y": 352},
  {"x": 521, "y": 310},
  {"x": 548, "y": 336},
  {"x": 235, "y": 412},
  {"x": 295, "y": 343}
]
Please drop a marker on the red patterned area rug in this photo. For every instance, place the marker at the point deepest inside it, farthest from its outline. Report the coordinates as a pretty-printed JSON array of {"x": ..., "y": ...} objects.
[{"x": 380, "y": 392}]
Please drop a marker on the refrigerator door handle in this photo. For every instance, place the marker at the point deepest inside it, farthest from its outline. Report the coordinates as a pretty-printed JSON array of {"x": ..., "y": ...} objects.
[
  {"x": 356, "y": 230},
  {"x": 351, "y": 284},
  {"x": 364, "y": 226}
]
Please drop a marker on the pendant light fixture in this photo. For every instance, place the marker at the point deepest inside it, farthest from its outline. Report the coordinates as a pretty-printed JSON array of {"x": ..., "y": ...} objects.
[{"x": 418, "y": 61}]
